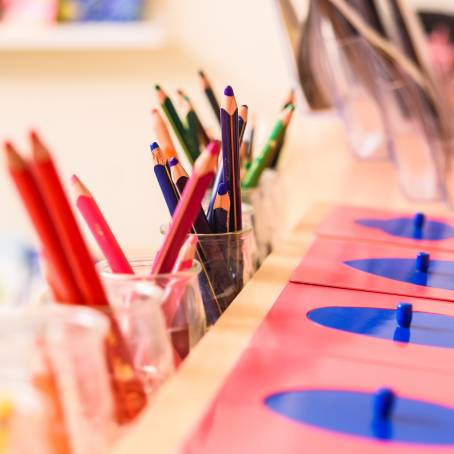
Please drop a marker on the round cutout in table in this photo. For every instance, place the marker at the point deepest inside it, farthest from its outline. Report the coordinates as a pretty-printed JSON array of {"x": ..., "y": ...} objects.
[
  {"x": 351, "y": 413},
  {"x": 404, "y": 227},
  {"x": 434, "y": 330},
  {"x": 439, "y": 275}
]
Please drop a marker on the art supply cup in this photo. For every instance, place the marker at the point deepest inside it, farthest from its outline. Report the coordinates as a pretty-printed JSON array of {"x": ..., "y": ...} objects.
[
  {"x": 227, "y": 264},
  {"x": 249, "y": 219},
  {"x": 346, "y": 70},
  {"x": 55, "y": 393},
  {"x": 173, "y": 310}
]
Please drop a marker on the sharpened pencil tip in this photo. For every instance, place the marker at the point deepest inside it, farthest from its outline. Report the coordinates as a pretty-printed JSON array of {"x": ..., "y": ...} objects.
[
  {"x": 154, "y": 146},
  {"x": 222, "y": 189},
  {"x": 74, "y": 179},
  {"x": 154, "y": 110},
  {"x": 201, "y": 73},
  {"x": 173, "y": 162},
  {"x": 157, "y": 87},
  {"x": 228, "y": 91},
  {"x": 180, "y": 92}
]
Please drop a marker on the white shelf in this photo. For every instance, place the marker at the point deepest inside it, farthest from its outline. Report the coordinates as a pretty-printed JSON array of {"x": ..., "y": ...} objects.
[{"x": 82, "y": 36}]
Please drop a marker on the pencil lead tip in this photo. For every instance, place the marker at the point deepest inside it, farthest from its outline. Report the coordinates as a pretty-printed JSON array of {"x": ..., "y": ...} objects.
[
  {"x": 222, "y": 189},
  {"x": 154, "y": 146},
  {"x": 228, "y": 91},
  {"x": 157, "y": 87},
  {"x": 74, "y": 179},
  {"x": 201, "y": 73},
  {"x": 154, "y": 110},
  {"x": 173, "y": 162},
  {"x": 180, "y": 92}
]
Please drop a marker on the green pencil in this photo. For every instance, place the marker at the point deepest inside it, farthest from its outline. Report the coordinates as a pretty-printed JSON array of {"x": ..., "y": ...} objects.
[
  {"x": 177, "y": 125},
  {"x": 264, "y": 159}
]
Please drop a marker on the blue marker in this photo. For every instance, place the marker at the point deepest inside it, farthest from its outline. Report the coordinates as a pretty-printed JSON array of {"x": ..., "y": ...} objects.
[
  {"x": 422, "y": 262},
  {"x": 384, "y": 400},
  {"x": 404, "y": 314}
]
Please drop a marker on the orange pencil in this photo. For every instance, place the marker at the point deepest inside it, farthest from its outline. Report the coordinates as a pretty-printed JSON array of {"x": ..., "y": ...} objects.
[
  {"x": 100, "y": 228},
  {"x": 163, "y": 135},
  {"x": 187, "y": 209},
  {"x": 61, "y": 280}
]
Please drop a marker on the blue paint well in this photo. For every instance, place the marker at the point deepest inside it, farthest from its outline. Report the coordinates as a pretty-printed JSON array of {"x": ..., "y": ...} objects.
[
  {"x": 407, "y": 228},
  {"x": 440, "y": 274},
  {"x": 352, "y": 413},
  {"x": 433, "y": 330}
]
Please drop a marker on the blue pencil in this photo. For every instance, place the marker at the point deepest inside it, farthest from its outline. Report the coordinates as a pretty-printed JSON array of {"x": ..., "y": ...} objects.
[
  {"x": 162, "y": 175},
  {"x": 231, "y": 156}
]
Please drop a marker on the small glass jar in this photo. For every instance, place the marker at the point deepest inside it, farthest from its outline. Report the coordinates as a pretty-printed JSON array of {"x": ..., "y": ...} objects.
[
  {"x": 55, "y": 394},
  {"x": 227, "y": 264},
  {"x": 180, "y": 309}
]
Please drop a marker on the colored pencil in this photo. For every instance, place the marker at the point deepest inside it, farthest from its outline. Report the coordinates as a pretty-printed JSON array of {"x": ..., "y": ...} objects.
[
  {"x": 242, "y": 122},
  {"x": 194, "y": 125},
  {"x": 180, "y": 178},
  {"x": 186, "y": 255},
  {"x": 68, "y": 231},
  {"x": 231, "y": 156},
  {"x": 163, "y": 135},
  {"x": 217, "y": 181},
  {"x": 176, "y": 123},
  {"x": 61, "y": 280},
  {"x": 130, "y": 397},
  {"x": 187, "y": 209},
  {"x": 266, "y": 156},
  {"x": 220, "y": 219},
  {"x": 280, "y": 142},
  {"x": 100, "y": 229},
  {"x": 164, "y": 180},
  {"x": 210, "y": 94}
]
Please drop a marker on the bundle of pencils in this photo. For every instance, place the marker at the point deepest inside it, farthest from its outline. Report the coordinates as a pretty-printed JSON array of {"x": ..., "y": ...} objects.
[
  {"x": 222, "y": 276},
  {"x": 71, "y": 274}
]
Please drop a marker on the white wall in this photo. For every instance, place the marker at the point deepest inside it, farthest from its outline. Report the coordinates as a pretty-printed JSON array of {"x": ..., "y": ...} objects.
[{"x": 94, "y": 107}]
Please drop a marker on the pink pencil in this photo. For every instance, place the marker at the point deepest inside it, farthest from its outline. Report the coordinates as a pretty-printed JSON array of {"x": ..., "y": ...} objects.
[
  {"x": 187, "y": 209},
  {"x": 100, "y": 228}
]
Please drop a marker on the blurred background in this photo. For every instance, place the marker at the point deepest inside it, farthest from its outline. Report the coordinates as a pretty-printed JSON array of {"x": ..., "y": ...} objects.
[{"x": 86, "y": 82}]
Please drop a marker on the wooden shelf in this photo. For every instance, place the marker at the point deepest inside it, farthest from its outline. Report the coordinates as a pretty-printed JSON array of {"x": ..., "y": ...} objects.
[{"x": 82, "y": 36}]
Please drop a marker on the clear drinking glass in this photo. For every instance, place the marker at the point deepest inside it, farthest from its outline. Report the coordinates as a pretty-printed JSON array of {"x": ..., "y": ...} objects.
[
  {"x": 227, "y": 264},
  {"x": 347, "y": 70},
  {"x": 55, "y": 393},
  {"x": 416, "y": 144},
  {"x": 174, "y": 311}
]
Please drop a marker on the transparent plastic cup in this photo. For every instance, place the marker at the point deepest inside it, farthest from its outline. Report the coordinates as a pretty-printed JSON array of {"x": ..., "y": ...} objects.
[
  {"x": 174, "y": 311},
  {"x": 55, "y": 390}
]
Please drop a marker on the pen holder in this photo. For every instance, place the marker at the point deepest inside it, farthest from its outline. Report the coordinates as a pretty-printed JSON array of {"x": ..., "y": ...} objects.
[
  {"x": 227, "y": 264},
  {"x": 175, "y": 312},
  {"x": 55, "y": 393}
]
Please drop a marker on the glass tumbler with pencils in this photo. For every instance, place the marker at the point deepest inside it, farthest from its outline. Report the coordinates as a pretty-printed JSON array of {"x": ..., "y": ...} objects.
[
  {"x": 180, "y": 307},
  {"x": 55, "y": 393}
]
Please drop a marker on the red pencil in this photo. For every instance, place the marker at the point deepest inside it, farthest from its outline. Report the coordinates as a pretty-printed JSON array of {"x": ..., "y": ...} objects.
[
  {"x": 100, "y": 228},
  {"x": 187, "y": 209},
  {"x": 74, "y": 245},
  {"x": 186, "y": 255},
  {"x": 61, "y": 280},
  {"x": 130, "y": 397}
]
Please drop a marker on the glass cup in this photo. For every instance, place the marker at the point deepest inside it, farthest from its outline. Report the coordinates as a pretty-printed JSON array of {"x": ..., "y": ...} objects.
[
  {"x": 227, "y": 263},
  {"x": 346, "y": 68},
  {"x": 179, "y": 316},
  {"x": 415, "y": 140},
  {"x": 55, "y": 394}
]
